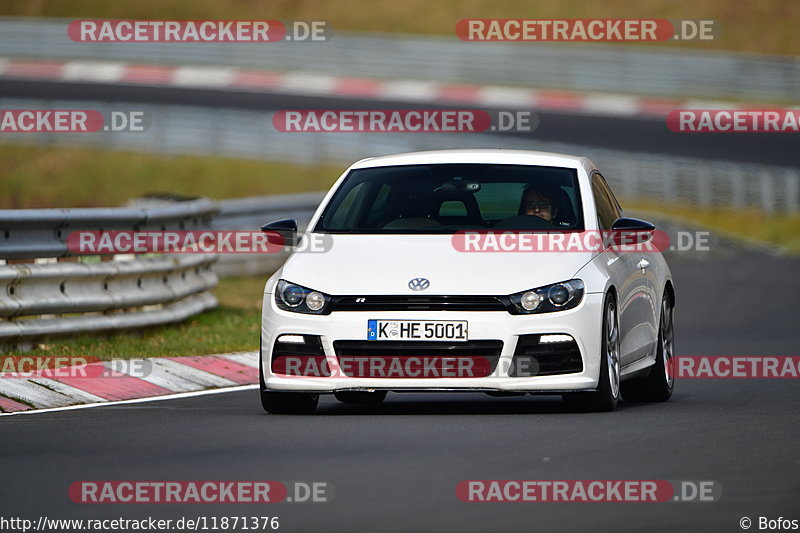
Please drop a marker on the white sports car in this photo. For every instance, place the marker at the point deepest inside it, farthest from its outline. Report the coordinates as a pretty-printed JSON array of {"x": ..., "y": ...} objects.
[{"x": 455, "y": 271}]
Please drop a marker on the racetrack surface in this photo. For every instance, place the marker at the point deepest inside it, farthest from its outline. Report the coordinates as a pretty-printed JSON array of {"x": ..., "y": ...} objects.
[
  {"x": 394, "y": 467},
  {"x": 627, "y": 134}
]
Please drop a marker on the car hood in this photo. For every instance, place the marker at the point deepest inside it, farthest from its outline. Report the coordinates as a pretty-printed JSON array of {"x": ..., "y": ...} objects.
[{"x": 384, "y": 264}]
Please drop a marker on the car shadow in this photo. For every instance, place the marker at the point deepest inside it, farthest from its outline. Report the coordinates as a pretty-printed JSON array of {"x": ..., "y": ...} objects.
[{"x": 396, "y": 404}]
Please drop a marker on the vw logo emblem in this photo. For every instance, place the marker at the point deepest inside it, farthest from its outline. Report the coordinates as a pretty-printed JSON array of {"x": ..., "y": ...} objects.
[{"x": 419, "y": 284}]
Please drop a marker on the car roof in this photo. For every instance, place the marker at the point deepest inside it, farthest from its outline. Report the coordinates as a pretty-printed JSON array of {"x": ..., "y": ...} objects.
[{"x": 490, "y": 156}]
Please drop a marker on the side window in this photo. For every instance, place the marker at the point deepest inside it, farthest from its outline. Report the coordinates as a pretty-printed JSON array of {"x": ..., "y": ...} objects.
[
  {"x": 607, "y": 208},
  {"x": 614, "y": 201}
]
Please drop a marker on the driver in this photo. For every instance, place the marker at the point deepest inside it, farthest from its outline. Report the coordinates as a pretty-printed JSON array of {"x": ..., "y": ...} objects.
[{"x": 538, "y": 204}]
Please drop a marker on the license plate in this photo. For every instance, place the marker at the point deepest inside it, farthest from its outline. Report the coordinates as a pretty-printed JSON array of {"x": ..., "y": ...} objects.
[{"x": 417, "y": 330}]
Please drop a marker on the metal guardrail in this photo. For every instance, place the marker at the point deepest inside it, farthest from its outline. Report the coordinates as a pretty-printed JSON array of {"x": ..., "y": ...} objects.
[
  {"x": 55, "y": 298},
  {"x": 40, "y": 233},
  {"x": 109, "y": 296},
  {"x": 662, "y": 72}
]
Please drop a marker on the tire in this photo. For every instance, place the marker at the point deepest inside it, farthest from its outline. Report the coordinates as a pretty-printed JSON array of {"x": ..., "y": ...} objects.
[
  {"x": 659, "y": 384},
  {"x": 361, "y": 397},
  {"x": 606, "y": 397},
  {"x": 289, "y": 403},
  {"x": 284, "y": 403}
]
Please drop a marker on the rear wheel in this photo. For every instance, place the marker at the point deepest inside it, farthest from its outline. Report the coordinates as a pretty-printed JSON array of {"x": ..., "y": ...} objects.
[
  {"x": 361, "y": 397},
  {"x": 606, "y": 396},
  {"x": 287, "y": 403},
  {"x": 658, "y": 385}
]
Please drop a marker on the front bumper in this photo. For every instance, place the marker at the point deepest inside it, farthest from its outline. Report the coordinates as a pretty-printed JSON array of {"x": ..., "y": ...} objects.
[{"x": 583, "y": 323}]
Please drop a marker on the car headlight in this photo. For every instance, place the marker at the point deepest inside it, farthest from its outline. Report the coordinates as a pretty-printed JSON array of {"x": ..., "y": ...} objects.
[
  {"x": 555, "y": 297},
  {"x": 298, "y": 299}
]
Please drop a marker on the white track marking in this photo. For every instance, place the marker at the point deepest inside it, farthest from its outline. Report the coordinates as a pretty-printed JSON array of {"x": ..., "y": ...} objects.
[
  {"x": 202, "y": 77},
  {"x": 302, "y": 83},
  {"x": 33, "y": 393},
  {"x": 205, "y": 379},
  {"x": 155, "y": 374},
  {"x": 243, "y": 358},
  {"x": 73, "y": 392},
  {"x": 93, "y": 71},
  {"x": 493, "y": 95},
  {"x": 623, "y": 106},
  {"x": 412, "y": 91}
]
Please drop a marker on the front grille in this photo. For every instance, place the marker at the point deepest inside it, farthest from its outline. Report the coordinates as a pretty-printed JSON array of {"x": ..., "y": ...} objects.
[
  {"x": 424, "y": 359},
  {"x": 419, "y": 303},
  {"x": 532, "y": 358}
]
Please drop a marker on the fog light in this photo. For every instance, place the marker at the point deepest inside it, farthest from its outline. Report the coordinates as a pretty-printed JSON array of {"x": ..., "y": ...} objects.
[
  {"x": 546, "y": 339},
  {"x": 294, "y": 339}
]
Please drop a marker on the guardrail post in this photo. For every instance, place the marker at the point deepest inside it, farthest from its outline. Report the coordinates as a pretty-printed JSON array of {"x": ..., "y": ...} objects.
[
  {"x": 792, "y": 191},
  {"x": 767, "y": 188}
]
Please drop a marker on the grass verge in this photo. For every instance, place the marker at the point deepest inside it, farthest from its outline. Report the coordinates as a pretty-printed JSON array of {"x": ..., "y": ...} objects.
[{"x": 36, "y": 177}]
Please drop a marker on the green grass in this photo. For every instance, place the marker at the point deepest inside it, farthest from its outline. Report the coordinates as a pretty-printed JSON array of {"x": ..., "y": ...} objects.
[
  {"x": 781, "y": 229},
  {"x": 71, "y": 177},
  {"x": 767, "y": 26},
  {"x": 232, "y": 327}
]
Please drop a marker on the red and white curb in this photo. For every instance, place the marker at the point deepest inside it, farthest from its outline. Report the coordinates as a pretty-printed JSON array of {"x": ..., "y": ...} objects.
[
  {"x": 121, "y": 381},
  {"x": 309, "y": 84}
]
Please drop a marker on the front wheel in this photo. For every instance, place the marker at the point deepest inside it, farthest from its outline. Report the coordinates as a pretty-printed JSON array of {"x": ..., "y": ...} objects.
[
  {"x": 284, "y": 403},
  {"x": 289, "y": 403},
  {"x": 658, "y": 385},
  {"x": 606, "y": 397}
]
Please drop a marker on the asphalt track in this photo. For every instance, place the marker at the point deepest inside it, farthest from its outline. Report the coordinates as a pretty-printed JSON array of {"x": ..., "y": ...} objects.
[
  {"x": 394, "y": 467},
  {"x": 629, "y": 134}
]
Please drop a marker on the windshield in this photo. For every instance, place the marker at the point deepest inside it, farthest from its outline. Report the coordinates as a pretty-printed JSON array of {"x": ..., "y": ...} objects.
[{"x": 446, "y": 198}]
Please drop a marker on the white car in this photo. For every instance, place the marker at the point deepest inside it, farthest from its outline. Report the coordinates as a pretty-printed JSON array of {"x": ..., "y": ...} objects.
[{"x": 397, "y": 303}]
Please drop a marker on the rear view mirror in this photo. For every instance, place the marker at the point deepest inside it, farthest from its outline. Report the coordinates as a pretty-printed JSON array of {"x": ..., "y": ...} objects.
[
  {"x": 631, "y": 231},
  {"x": 281, "y": 232}
]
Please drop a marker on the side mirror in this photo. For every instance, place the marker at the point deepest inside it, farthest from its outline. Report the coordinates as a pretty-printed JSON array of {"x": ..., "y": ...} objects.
[
  {"x": 281, "y": 232},
  {"x": 631, "y": 231}
]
